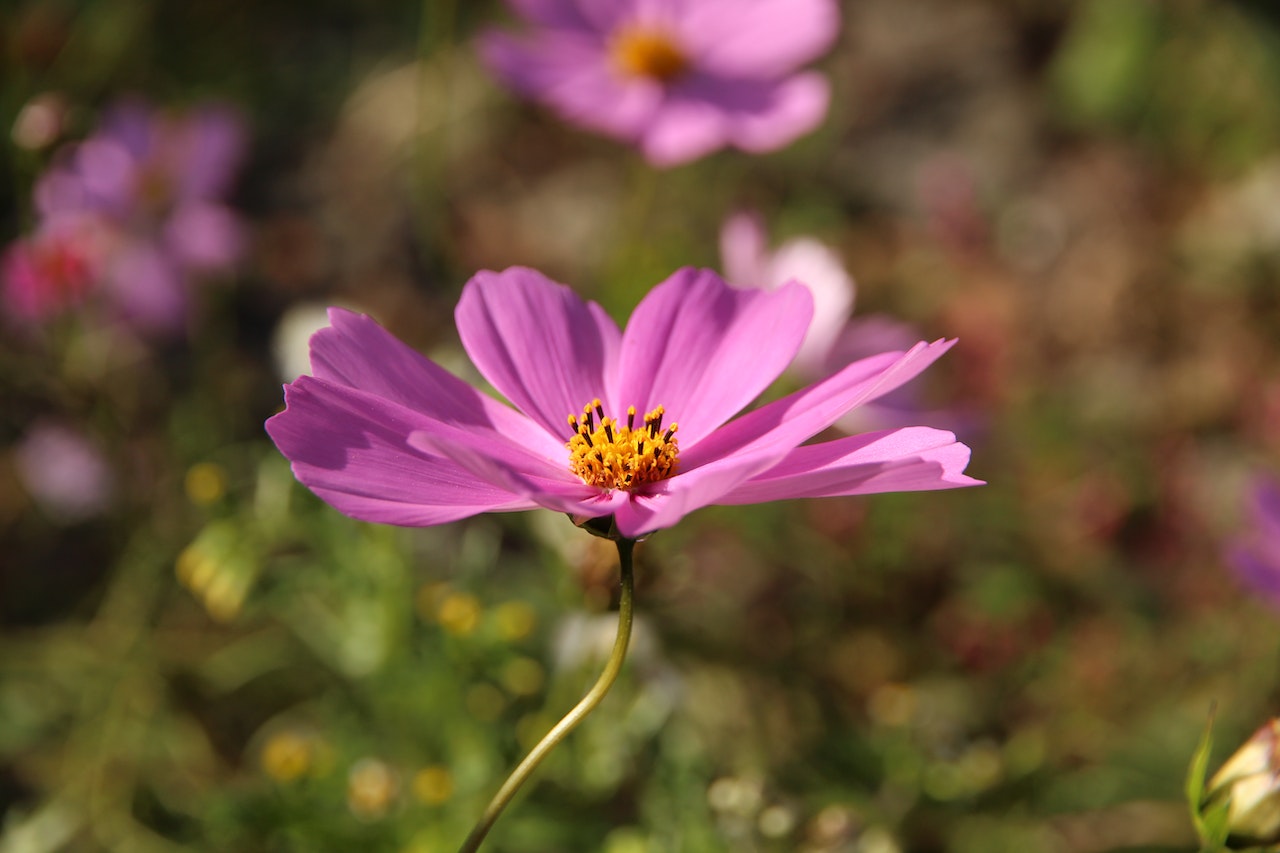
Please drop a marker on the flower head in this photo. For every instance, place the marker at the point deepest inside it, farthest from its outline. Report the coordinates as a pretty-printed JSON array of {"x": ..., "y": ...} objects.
[
  {"x": 154, "y": 184},
  {"x": 383, "y": 434},
  {"x": 677, "y": 78},
  {"x": 1249, "y": 784},
  {"x": 1255, "y": 555}
]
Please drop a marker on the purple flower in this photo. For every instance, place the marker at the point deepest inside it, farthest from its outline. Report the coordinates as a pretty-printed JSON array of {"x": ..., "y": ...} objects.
[
  {"x": 155, "y": 183},
  {"x": 677, "y": 78},
  {"x": 385, "y": 435},
  {"x": 1255, "y": 555}
]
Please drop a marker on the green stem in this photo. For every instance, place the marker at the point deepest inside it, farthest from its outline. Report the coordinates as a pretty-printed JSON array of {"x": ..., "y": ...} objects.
[{"x": 571, "y": 719}]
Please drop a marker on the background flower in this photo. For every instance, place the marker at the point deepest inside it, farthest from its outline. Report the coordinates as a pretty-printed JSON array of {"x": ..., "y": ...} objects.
[
  {"x": 151, "y": 185},
  {"x": 680, "y": 79},
  {"x": 1255, "y": 555}
]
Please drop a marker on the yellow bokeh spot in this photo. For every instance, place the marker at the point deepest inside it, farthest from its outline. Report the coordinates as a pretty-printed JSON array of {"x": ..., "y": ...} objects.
[
  {"x": 433, "y": 785},
  {"x": 458, "y": 613},
  {"x": 371, "y": 788},
  {"x": 287, "y": 756},
  {"x": 515, "y": 620},
  {"x": 205, "y": 483},
  {"x": 645, "y": 52},
  {"x": 523, "y": 676}
]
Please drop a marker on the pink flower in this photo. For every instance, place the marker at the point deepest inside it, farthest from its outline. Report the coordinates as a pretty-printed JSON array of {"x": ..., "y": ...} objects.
[
  {"x": 154, "y": 183},
  {"x": 1255, "y": 555},
  {"x": 677, "y": 78},
  {"x": 383, "y": 434},
  {"x": 53, "y": 269}
]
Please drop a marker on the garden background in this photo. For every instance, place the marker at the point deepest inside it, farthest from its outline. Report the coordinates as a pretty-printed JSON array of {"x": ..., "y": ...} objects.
[{"x": 197, "y": 654}]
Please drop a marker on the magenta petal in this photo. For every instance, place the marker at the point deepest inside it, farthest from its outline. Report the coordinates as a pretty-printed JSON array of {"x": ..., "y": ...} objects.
[
  {"x": 355, "y": 351},
  {"x": 671, "y": 500},
  {"x": 766, "y": 38},
  {"x": 798, "y": 105},
  {"x": 778, "y": 427},
  {"x": 683, "y": 129},
  {"x": 540, "y": 345},
  {"x": 351, "y": 448},
  {"x": 902, "y": 460},
  {"x": 548, "y": 489},
  {"x": 571, "y": 72},
  {"x": 549, "y": 13},
  {"x": 704, "y": 350}
]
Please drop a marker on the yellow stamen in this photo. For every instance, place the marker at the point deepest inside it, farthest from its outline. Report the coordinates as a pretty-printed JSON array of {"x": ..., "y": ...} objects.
[
  {"x": 642, "y": 52},
  {"x": 613, "y": 456}
]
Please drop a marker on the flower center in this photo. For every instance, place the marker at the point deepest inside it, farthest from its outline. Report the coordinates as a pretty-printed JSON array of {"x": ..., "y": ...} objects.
[
  {"x": 609, "y": 455},
  {"x": 649, "y": 53}
]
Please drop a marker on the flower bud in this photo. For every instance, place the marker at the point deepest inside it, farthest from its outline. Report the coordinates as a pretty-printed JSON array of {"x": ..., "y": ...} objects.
[{"x": 1249, "y": 786}]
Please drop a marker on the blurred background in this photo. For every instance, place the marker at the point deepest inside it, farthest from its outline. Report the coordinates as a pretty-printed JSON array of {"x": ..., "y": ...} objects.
[{"x": 197, "y": 654}]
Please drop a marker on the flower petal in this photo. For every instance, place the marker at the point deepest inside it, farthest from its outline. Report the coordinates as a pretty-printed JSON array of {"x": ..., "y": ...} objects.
[
  {"x": 795, "y": 106},
  {"x": 540, "y": 345},
  {"x": 778, "y": 427},
  {"x": 901, "y": 460},
  {"x": 704, "y": 350},
  {"x": 357, "y": 352},
  {"x": 572, "y": 74},
  {"x": 759, "y": 38},
  {"x": 350, "y": 448},
  {"x": 545, "y": 488},
  {"x": 742, "y": 252}
]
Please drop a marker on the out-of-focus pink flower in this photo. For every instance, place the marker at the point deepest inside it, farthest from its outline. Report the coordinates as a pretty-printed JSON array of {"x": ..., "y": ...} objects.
[
  {"x": 383, "y": 434},
  {"x": 677, "y": 78},
  {"x": 54, "y": 268},
  {"x": 63, "y": 472},
  {"x": 833, "y": 339},
  {"x": 748, "y": 262},
  {"x": 155, "y": 182},
  {"x": 1255, "y": 555}
]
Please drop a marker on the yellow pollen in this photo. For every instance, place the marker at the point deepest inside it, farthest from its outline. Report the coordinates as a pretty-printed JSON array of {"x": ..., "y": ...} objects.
[
  {"x": 641, "y": 52},
  {"x": 613, "y": 455}
]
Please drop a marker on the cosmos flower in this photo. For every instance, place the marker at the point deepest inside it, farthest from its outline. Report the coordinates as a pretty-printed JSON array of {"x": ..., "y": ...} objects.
[
  {"x": 1255, "y": 555},
  {"x": 677, "y": 78},
  {"x": 634, "y": 424},
  {"x": 152, "y": 184}
]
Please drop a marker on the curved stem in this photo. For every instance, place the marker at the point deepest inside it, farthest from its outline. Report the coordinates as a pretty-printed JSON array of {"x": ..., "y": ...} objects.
[{"x": 571, "y": 719}]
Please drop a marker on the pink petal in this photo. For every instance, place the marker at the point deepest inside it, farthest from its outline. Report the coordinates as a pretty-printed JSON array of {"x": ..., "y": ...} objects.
[
  {"x": 553, "y": 490},
  {"x": 357, "y": 352},
  {"x": 571, "y": 72},
  {"x": 759, "y": 38},
  {"x": 549, "y": 13},
  {"x": 703, "y": 349},
  {"x": 796, "y": 106},
  {"x": 742, "y": 252},
  {"x": 902, "y": 460},
  {"x": 668, "y": 501},
  {"x": 540, "y": 345},
  {"x": 683, "y": 129},
  {"x": 351, "y": 448},
  {"x": 773, "y": 430}
]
